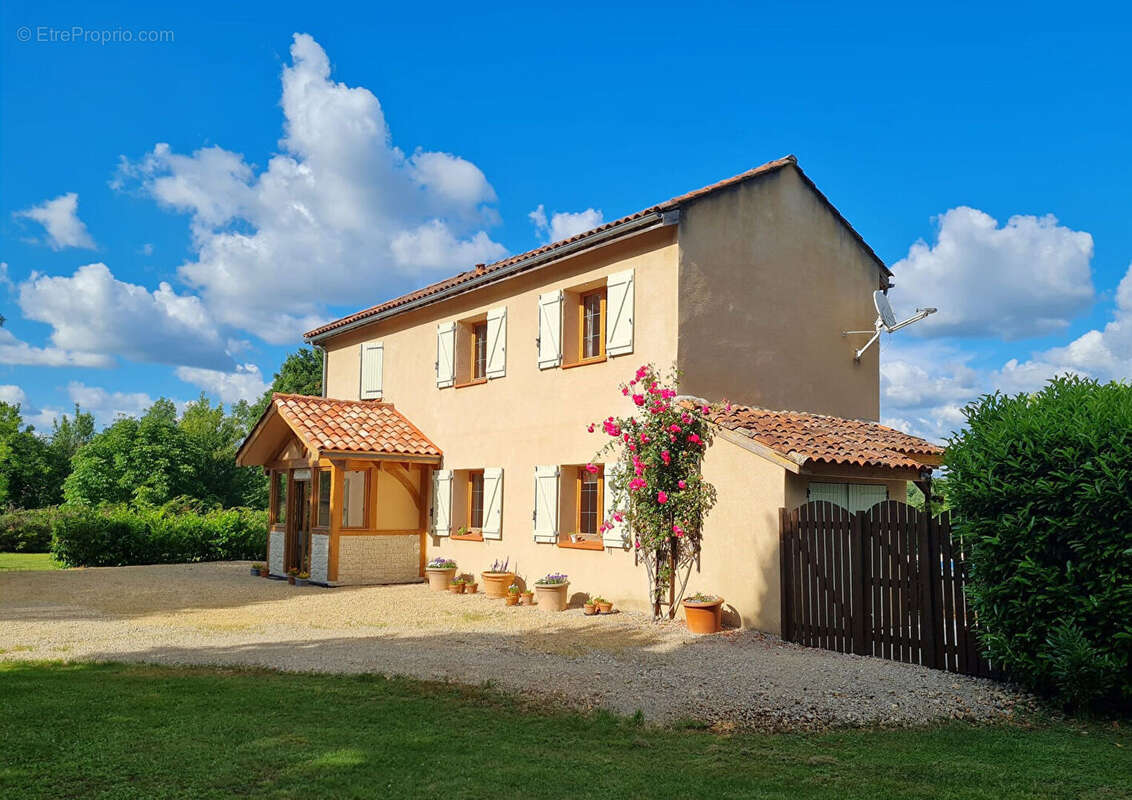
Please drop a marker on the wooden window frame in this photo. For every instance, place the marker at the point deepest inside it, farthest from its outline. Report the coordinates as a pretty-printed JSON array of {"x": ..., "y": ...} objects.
[
  {"x": 322, "y": 474},
  {"x": 365, "y": 500},
  {"x": 274, "y": 500},
  {"x": 468, "y": 330},
  {"x": 566, "y": 540},
  {"x": 474, "y": 534},
  {"x": 602, "y": 311},
  {"x": 479, "y": 337}
]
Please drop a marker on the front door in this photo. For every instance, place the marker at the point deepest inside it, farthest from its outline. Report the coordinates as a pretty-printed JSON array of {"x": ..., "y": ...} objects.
[{"x": 299, "y": 533}]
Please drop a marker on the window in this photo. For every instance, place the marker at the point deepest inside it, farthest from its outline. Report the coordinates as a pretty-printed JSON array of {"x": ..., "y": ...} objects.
[
  {"x": 475, "y": 500},
  {"x": 592, "y": 326},
  {"x": 479, "y": 351},
  {"x": 323, "y": 519},
  {"x": 354, "y": 499},
  {"x": 279, "y": 498},
  {"x": 852, "y": 496},
  {"x": 589, "y": 501}
]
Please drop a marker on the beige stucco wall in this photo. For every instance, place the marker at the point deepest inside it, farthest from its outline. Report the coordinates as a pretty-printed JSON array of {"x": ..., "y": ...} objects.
[
  {"x": 529, "y": 416},
  {"x": 769, "y": 278}
]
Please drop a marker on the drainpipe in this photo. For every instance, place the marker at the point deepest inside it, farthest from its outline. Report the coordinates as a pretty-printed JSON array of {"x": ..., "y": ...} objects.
[{"x": 323, "y": 350}]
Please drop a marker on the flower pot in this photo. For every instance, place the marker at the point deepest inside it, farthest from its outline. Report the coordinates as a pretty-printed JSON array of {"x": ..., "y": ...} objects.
[
  {"x": 589, "y": 609},
  {"x": 255, "y": 572},
  {"x": 301, "y": 581},
  {"x": 470, "y": 588},
  {"x": 438, "y": 579},
  {"x": 527, "y": 599},
  {"x": 605, "y": 608},
  {"x": 512, "y": 599},
  {"x": 456, "y": 588},
  {"x": 495, "y": 583},
  {"x": 291, "y": 579},
  {"x": 265, "y": 573},
  {"x": 551, "y": 596},
  {"x": 704, "y": 617}
]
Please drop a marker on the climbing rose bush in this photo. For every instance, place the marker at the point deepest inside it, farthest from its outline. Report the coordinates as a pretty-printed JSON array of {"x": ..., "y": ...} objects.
[{"x": 655, "y": 457}]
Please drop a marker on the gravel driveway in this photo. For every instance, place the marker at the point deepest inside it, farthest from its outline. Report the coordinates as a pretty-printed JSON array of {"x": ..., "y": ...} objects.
[{"x": 218, "y": 614}]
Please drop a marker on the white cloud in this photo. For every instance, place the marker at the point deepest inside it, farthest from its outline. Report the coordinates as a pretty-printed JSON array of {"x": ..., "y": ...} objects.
[
  {"x": 107, "y": 405},
  {"x": 43, "y": 420},
  {"x": 146, "y": 249},
  {"x": 5, "y": 281},
  {"x": 93, "y": 313},
  {"x": 924, "y": 386},
  {"x": 334, "y": 218},
  {"x": 12, "y": 394},
  {"x": 16, "y": 351},
  {"x": 60, "y": 219},
  {"x": 246, "y": 383},
  {"x": 1026, "y": 278},
  {"x": 564, "y": 224}
]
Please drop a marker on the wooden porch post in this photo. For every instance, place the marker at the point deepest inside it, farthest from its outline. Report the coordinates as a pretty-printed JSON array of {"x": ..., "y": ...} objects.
[
  {"x": 425, "y": 495},
  {"x": 336, "y": 497}
]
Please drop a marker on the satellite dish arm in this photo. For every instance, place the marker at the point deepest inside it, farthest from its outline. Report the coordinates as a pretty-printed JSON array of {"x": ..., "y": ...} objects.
[
  {"x": 919, "y": 315},
  {"x": 881, "y": 327}
]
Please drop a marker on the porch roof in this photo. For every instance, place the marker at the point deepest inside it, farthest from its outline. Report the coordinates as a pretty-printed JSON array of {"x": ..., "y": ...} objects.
[
  {"x": 805, "y": 438},
  {"x": 326, "y": 426}
]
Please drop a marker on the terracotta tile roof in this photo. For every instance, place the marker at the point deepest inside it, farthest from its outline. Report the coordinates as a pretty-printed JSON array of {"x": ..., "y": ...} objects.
[
  {"x": 668, "y": 205},
  {"x": 352, "y": 426},
  {"x": 804, "y": 437}
]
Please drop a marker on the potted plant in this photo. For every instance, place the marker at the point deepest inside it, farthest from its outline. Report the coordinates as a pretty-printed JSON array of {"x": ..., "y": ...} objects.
[
  {"x": 256, "y": 569},
  {"x": 264, "y": 571},
  {"x": 470, "y": 587},
  {"x": 440, "y": 571},
  {"x": 457, "y": 586},
  {"x": 704, "y": 613},
  {"x": 292, "y": 574},
  {"x": 527, "y": 598},
  {"x": 590, "y": 608},
  {"x": 551, "y": 591},
  {"x": 303, "y": 579},
  {"x": 513, "y": 594},
  {"x": 497, "y": 579},
  {"x": 603, "y": 605}
]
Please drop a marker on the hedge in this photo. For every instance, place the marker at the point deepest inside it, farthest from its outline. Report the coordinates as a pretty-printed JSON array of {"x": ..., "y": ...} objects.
[
  {"x": 114, "y": 536},
  {"x": 1041, "y": 488},
  {"x": 26, "y": 531}
]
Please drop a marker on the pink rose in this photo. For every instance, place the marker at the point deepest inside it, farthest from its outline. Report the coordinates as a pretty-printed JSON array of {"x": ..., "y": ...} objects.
[
  {"x": 662, "y": 497},
  {"x": 639, "y": 399},
  {"x": 591, "y": 468},
  {"x": 682, "y": 484},
  {"x": 694, "y": 439},
  {"x": 674, "y": 428}
]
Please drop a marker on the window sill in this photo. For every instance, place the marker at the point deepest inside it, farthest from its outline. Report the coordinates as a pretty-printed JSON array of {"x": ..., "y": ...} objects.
[
  {"x": 587, "y": 544},
  {"x": 474, "y": 536},
  {"x": 476, "y": 382},
  {"x": 584, "y": 362}
]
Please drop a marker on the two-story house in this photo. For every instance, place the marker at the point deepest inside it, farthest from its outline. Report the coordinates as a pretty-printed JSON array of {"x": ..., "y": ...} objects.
[{"x": 454, "y": 418}]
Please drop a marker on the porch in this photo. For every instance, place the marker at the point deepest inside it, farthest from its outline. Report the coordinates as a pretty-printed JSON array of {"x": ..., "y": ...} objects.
[{"x": 350, "y": 484}]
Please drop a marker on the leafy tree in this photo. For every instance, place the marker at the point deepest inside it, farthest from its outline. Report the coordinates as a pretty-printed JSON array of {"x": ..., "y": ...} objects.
[
  {"x": 300, "y": 373},
  {"x": 1039, "y": 485},
  {"x": 217, "y": 436},
  {"x": 9, "y": 429},
  {"x": 147, "y": 460}
]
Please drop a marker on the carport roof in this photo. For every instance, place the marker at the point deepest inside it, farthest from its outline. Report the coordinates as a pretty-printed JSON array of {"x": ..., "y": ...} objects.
[{"x": 804, "y": 438}]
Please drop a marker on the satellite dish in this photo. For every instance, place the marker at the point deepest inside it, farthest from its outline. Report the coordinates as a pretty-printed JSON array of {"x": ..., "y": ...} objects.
[{"x": 886, "y": 321}]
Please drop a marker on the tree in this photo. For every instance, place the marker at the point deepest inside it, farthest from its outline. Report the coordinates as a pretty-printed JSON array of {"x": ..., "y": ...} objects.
[
  {"x": 1039, "y": 488},
  {"x": 32, "y": 466},
  {"x": 147, "y": 460},
  {"x": 658, "y": 480},
  {"x": 300, "y": 373},
  {"x": 216, "y": 437},
  {"x": 9, "y": 429}
]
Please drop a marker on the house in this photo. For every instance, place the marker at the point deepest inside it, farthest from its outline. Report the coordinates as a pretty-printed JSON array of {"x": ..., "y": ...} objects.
[{"x": 454, "y": 418}]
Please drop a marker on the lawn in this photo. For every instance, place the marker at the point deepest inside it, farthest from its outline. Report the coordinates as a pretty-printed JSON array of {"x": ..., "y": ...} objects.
[
  {"x": 82, "y": 730},
  {"x": 26, "y": 561}
]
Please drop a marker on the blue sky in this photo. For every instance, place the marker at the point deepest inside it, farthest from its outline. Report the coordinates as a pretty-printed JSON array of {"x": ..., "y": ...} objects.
[{"x": 212, "y": 170}]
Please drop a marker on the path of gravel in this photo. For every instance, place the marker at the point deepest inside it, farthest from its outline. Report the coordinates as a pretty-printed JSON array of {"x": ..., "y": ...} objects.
[{"x": 218, "y": 614}]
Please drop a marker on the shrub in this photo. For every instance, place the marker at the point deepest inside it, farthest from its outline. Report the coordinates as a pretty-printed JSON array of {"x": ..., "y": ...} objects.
[
  {"x": 110, "y": 536},
  {"x": 1040, "y": 488},
  {"x": 26, "y": 531}
]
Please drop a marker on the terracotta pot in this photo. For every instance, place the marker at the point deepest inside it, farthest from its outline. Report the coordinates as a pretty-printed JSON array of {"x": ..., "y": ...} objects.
[
  {"x": 512, "y": 599},
  {"x": 265, "y": 573},
  {"x": 470, "y": 588},
  {"x": 438, "y": 579},
  {"x": 605, "y": 608},
  {"x": 527, "y": 599},
  {"x": 552, "y": 597},
  {"x": 456, "y": 588},
  {"x": 704, "y": 617},
  {"x": 495, "y": 583},
  {"x": 291, "y": 579},
  {"x": 589, "y": 609}
]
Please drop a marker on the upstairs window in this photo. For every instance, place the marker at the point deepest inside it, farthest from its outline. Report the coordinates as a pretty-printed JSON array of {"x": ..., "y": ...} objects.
[
  {"x": 591, "y": 326},
  {"x": 475, "y": 500},
  {"x": 479, "y": 351},
  {"x": 589, "y": 501}
]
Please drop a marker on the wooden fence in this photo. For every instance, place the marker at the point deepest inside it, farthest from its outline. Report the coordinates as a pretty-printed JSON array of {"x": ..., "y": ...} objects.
[{"x": 886, "y": 582}]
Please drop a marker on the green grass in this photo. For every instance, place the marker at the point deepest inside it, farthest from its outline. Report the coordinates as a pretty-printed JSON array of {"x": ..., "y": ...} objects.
[
  {"x": 26, "y": 561},
  {"x": 123, "y": 731}
]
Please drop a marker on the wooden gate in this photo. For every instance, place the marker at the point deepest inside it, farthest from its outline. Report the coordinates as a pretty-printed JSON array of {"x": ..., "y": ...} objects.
[{"x": 886, "y": 582}]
